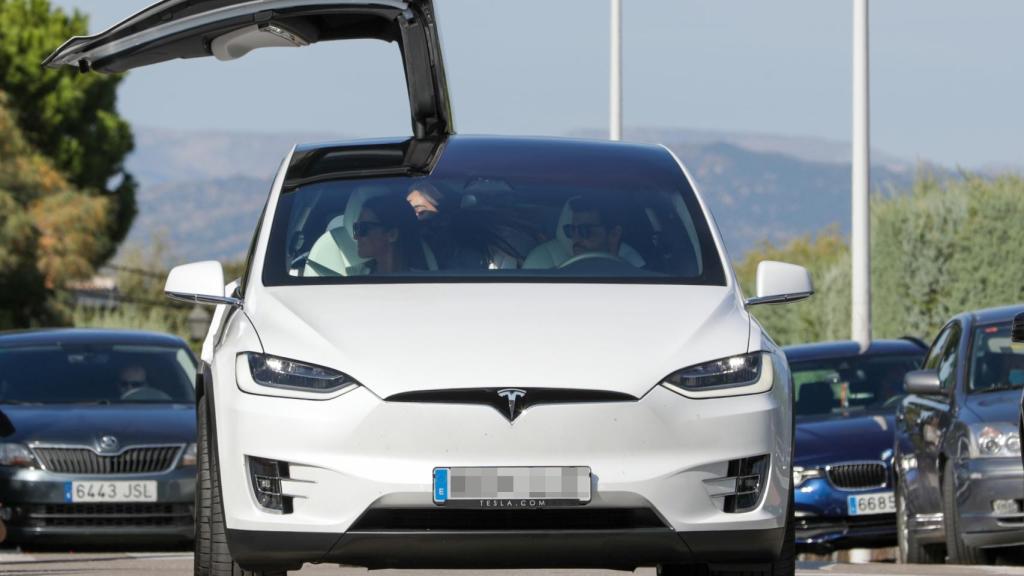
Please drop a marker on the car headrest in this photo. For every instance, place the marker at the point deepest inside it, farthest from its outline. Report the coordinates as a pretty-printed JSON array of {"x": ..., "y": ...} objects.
[{"x": 816, "y": 398}]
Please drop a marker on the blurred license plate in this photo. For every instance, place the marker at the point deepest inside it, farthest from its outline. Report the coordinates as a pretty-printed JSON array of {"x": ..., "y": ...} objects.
[
  {"x": 512, "y": 487},
  {"x": 877, "y": 503},
  {"x": 119, "y": 491}
]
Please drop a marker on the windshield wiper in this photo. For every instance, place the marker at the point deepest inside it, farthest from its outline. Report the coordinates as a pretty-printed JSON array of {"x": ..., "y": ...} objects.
[
  {"x": 998, "y": 388},
  {"x": 20, "y": 403}
]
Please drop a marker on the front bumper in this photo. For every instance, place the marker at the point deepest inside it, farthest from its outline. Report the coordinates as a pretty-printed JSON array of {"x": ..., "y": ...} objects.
[
  {"x": 981, "y": 481},
  {"x": 35, "y": 510},
  {"x": 356, "y": 454},
  {"x": 615, "y": 549},
  {"x": 823, "y": 523}
]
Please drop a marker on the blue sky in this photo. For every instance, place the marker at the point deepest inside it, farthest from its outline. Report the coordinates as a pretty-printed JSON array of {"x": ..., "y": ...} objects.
[{"x": 946, "y": 74}]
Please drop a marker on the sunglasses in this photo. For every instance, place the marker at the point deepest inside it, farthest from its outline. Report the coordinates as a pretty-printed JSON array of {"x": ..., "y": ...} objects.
[
  {"x": 362, "y": 229},
  {"x": 584, "y": 231}
]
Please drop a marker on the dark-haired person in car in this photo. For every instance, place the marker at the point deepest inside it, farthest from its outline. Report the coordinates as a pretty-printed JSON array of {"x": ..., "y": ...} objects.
[
  {"x": 596, "y": 226},
  {"x": 387, "y": 235}
]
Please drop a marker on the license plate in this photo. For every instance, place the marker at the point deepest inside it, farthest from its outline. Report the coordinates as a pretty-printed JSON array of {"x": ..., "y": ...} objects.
[
  {"x": 118, "y": 491},
  {"x": 512, "y": 487},
  {"x": 876, "y": 503}
]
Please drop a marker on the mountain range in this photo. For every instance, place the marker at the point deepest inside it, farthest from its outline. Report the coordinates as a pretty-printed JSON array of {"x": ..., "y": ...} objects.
[{"x": 202, "y": 192}]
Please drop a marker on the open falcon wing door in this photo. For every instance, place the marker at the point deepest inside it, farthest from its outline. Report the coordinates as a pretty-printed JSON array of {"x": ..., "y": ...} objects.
[{"x": 230, "y": 29}]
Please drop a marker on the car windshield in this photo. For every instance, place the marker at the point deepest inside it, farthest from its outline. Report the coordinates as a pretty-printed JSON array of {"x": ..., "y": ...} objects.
[
  {"x": 996, "y": 362},
  {"x": 618, "y": 218},
  {"x": 851, "y": 383},
  {"x": 96, "y": 374}
]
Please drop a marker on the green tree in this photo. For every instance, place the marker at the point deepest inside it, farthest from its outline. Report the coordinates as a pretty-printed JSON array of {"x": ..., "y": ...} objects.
[
  {"x": 825, "y": 316},
  {"x": 946, "y": 247},
  {"x": 941, "y": 248},
  {"x": 66, "y": 116},
  {"x": 49, "y": 231}
]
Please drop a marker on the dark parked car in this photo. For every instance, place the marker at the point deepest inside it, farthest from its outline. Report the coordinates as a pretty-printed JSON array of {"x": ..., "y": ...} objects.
[
  {"x": 103, "y": 447},
  {"x": 845, "y": 401},
  {"x": 960, "y": 481},
  {"x": 1017, "y": 336}
]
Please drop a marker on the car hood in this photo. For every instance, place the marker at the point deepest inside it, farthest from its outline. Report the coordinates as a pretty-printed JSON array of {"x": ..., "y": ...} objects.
[
  {"x": 835, "y": 438},
  {"x": 396, "y": 338},
  {"x": 1003, "y": 406},
  {"x": 85, "y": 425}
]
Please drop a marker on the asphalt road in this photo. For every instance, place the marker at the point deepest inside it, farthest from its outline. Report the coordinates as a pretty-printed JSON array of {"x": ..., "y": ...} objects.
[{"x": 180, "y": 563}]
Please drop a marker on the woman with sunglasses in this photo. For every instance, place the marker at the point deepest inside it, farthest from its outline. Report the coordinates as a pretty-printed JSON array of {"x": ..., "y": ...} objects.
[{"x": 387, "y": 235}]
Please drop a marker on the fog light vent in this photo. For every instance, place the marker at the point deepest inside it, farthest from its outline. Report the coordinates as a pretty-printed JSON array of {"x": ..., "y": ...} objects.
[
  {"x": 265, "y": 477},
  {"x": 740, "y": 490}
]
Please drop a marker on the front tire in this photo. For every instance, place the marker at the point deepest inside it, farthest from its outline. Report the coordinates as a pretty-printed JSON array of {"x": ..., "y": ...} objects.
[
  {"x": 212, "y": 557},
  {"x": 785, "y": 565},
  {"x": 909, "y": 550},
  {"x": 959, "y": 552}
]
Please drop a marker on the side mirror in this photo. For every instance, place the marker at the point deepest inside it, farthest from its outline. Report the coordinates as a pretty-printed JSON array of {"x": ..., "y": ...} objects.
[
  {"x": 201, "y": 282},
  {"x": 922, "y": 382},
  {"x": 6, "y": 427},
  {"x": 778, "y": 283},
  {"x": 1017, "y": 335}
]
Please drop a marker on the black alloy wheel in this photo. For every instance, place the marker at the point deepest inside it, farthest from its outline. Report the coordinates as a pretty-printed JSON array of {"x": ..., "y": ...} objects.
[
  {"x": 212, "y": 557},
  {"x": 909, "y": 549},
  {"x": 959, "y": 552}
]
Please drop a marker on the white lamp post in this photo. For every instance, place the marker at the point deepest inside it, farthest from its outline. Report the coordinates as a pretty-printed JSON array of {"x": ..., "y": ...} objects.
[
  {"x": 615, "y": 92},
  {"x": 860, "y": 232}
]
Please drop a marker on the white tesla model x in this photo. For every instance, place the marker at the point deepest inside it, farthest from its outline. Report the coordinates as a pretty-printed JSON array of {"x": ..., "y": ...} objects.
[{"x": 455, "y": 351}]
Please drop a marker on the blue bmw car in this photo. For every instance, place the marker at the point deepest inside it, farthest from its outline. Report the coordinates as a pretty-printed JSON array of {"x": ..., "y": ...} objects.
[
  {"x": 845, "y": 402},
  {"x": 103, "y": 443}
]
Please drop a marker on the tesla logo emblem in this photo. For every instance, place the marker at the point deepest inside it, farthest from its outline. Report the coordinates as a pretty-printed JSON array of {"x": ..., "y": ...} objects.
[
  {"x": 512, "y": 395},
  {"x": 108, "y": 444}
]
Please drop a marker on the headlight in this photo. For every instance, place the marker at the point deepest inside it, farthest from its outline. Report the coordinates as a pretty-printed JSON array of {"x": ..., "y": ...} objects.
[
  {"x": 291, "y": 375},
  {"x": 188, "y": 457},
  {"x": 16, "y": 455},
  {"x": 994, "y": 439},
  {"x": 745, "y": 374},
  {"x": 801, "y": 474}
]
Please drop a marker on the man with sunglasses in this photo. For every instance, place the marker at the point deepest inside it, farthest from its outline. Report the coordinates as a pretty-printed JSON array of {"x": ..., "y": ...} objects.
[{"x": 596, "y": 226}]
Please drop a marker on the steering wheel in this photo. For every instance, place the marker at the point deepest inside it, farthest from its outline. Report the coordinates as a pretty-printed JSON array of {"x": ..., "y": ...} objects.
[
  {"x": 146, "y": 394},
  {"x": 590, "y": 256}
]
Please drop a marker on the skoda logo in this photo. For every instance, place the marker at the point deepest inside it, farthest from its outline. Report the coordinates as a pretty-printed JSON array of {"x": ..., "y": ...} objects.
[
  {"x": 108, "y": 444},
  {"x": 513, "y": 395}
]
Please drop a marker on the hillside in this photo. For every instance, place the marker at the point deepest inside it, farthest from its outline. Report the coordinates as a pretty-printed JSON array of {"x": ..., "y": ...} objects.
[{"x": 204, "y": 191}]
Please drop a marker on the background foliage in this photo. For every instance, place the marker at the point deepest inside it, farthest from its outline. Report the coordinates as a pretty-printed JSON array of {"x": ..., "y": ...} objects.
[
  {"x": 50, "y": 231},
  {"x": 944, "y": 247},
  {"x": 68, "y": 117}
]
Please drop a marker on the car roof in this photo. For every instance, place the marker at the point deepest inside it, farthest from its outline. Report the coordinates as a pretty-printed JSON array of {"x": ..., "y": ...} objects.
[
  {"x": 414, "y": 157},
  {"x": 1000, "y": 314},
  {"x": 845, "y": 348},
  {"x": 485, "y": 140},
  {"x": 88, "y": 336}
]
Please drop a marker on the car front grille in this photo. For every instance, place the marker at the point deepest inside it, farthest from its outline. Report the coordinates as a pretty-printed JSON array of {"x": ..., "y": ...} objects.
[
  {"x": 857, "y": 475},
  {"x": 138, "y": 460},
  {"x": 108, "y": 515}
]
